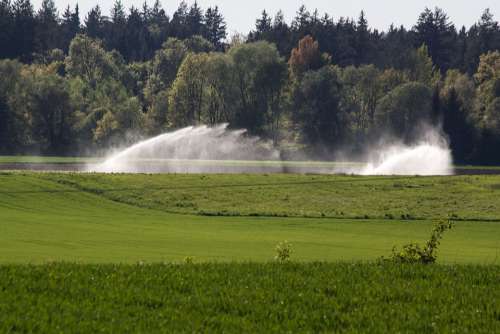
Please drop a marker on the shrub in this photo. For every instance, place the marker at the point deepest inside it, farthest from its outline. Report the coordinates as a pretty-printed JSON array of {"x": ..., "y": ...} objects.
[
  {"x": 283, "y": 252},
  {"x": 415, "y": 253}
]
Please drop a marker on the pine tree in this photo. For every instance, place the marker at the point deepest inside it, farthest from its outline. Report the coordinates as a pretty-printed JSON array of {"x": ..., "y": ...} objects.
[
  {"x": 194, "y": 20},
  {"x": 48, "y": 35},
  {"x": 94, "y": 23},
  {"x": 281, "y": 33},
  {"x": 362, "y": 46},
  {"x": 118, "y": 16},
  {"x": 157, "y": 13},
  {"x": 70, "y": 25},
  {"x": 158, "y": 26},
  {"x": 116, "y": 35},
  {"x": 75, "y": 18},
  {"x": 215, "y": 27},
  {"x": 24, "y": 30},
  {"x": 6, "y": 29},
  {"x": 302, "y": 20},
  {"x": 179, "y": 23},
  {"x": 489, "y": 33},
  {"x": 146, "y": 12},
  {"x": 482, "y": 37},
  {"x": 434, "y": 30},
  {"x": 136, "y": 46},
  {"x": 263, "y": 24}
]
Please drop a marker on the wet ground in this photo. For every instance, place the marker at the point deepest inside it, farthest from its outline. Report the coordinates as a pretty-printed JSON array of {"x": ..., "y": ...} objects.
[{"x": 300, "y": 168}]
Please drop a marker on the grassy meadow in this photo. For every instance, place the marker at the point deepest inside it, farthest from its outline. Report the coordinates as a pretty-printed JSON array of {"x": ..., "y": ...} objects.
[
  {"x": 249, "y": 298},
  {"x": 107, "y": 253},
  {"x": 91, "y": 218}
]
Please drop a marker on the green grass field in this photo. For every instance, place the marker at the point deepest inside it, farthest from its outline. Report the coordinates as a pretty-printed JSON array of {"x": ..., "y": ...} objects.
[
  {"x": 105, "y": 253},
  {"x": 249, "y": 298},
  {"x": 128, "y": 218}
]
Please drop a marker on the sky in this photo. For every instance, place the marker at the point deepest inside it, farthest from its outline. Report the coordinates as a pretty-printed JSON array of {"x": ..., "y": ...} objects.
[{"x": 241, "y": 15}]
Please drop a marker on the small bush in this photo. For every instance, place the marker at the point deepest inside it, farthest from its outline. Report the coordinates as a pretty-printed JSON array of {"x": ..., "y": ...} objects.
[
  {"x": 415, "y": 253},
  {"x": 283, "y": 252}
]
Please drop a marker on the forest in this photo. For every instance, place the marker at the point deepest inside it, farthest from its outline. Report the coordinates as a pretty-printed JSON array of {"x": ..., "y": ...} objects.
[{"x": 72, "y": 86}]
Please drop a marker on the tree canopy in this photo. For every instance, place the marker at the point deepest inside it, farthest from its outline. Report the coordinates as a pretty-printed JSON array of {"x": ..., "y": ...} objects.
[{"x": 315, "y": 83}]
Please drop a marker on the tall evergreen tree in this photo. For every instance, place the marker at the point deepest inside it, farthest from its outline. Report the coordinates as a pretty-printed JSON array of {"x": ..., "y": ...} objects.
[
  {"x": 116, "y": 35},
  {"x": 263, "y": 25},
  {"x": 146, "y": 12},
  {"x": 215, "y": 27},
  {"x": 281, "y": 33},
  {"x": 70, "y": 26},
  {"x": 6, "y": 29},
  {"x": 157, "y": 13},
  {"x": 194, "y": 20},
  {"x": 118, "y": 15},
  {"x": 436, "y": 31},
  {"x": 136, "y": 43},
  {"x": 395, "y": 48},
  {"x": 489, "y": 32},
  {"x": 47, "y": 29},
  {"x": 158, "y": 26},
  {"x": 24, "y": 30},
  {"x": 178, "y": 25},
  {"x": 344, "y": 53},
  {"x": 363, "y": 47},
  {"x": 94, "y": 23},
  {"x": 301, "y": 20},
  {"x": 484, "y": 36},
  {"x": 461, "y": 50}
]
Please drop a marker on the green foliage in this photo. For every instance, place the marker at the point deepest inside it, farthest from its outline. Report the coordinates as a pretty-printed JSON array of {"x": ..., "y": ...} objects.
[
  {"x": 415, "y": 253},
  {"x": 404, "y": 109},
  {"x": 362, "y": 88},
  {"x": 88, "y": 60},
  {"x": 221, "y": 93},
  {"x": 106, "y": 112},
  {"x": 51, "y": 111},
  {"x": 488, "y": 79},
  {"x": 457, "y": 98},
  {"x": 437, "y": 33},
  {"x": 198, "y": 44},
  {"x": 188, "y": 260},
  {"x": 156, "y": 118},
  {"x": 187, "y": 93},
  {"x": 259, "y": 76},
  {"x": 318, "y": 112},
  {"x": 215, "y": 30},
  {"x": 249, "y": 298},
  {"x": 13, "y": 123},
  {"x": 283, "y": 252},
  {"x": 380, "y": 83},
  {"x": 167, "y": 61},
  {"x": 422, "y": 69}
]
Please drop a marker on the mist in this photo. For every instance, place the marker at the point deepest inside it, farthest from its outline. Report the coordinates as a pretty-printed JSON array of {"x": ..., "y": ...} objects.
[
  {"x": 199, "y": 149},
  {"x": 428, "y": 155},
  {"x": 219, "y": 149}
]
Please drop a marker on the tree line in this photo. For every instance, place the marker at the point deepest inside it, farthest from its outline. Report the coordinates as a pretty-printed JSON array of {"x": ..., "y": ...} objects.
[
  {"x": 28, "y": 35},
  {"x": 316, "y": 84}
]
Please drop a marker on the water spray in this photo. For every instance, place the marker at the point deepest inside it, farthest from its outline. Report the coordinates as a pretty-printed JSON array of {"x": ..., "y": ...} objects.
[{"x": 219, "y": 149}]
